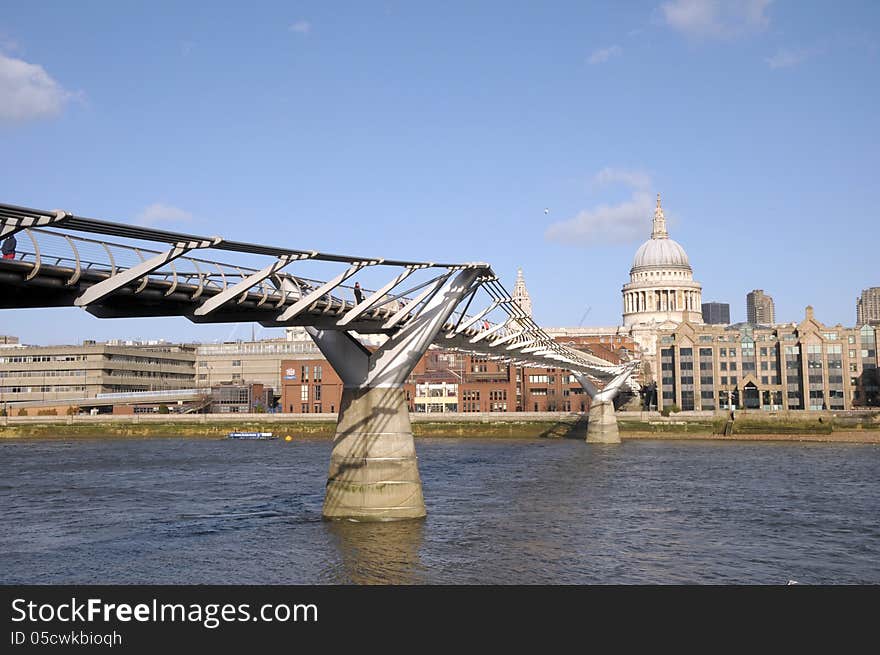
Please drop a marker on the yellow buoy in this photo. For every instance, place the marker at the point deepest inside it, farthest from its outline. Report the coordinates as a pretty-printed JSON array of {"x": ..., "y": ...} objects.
[{"x": 288, "y": 438}]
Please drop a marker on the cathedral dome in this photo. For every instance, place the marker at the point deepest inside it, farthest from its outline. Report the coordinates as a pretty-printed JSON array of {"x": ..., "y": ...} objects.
[
  {"x": 660, "y": 252},
  {"x": 662, "y": 286}
]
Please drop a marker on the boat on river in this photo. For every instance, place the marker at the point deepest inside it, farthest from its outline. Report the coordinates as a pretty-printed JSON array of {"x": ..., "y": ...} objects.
[{"x": 251, "y": 435}]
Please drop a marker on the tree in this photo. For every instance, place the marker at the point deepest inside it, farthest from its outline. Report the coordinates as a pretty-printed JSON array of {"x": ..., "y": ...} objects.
[
  {"x": 671, "y": 409},
  {"x": 163, "y": 409}
]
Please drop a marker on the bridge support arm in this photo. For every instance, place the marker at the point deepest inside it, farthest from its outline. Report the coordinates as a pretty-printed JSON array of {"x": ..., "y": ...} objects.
[
  {"x": 247, "y": 283},
  {"x": 115, "y": 282},
  {"x": 374, "y": 473}
]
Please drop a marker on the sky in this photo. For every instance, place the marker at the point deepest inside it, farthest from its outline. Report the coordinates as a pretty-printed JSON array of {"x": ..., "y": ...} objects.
[{"x": 443, "y": 131}]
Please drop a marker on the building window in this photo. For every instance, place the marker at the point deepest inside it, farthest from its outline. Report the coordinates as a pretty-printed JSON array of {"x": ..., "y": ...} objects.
[
  {"x": 236, "y": 362},
  {"x": 318, "y": 373},
  {"x": 304, "y": 372},
  {"x": 304, "y": 392}
]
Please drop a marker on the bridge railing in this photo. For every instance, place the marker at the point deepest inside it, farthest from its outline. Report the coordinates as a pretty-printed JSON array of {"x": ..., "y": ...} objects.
[
  {"x": 487, "y": 321},
  {"x": 41, "y": 247}
]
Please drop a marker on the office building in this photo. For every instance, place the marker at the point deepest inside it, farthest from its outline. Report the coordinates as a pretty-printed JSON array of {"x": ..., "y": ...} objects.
[
  {"x": 70, "y": 373},
  {"x": 760, "y": 309},
  {"x": 803, "y": 366},
  {"x": 716, "y": 313},
  {"x": 868, "y": 306}
]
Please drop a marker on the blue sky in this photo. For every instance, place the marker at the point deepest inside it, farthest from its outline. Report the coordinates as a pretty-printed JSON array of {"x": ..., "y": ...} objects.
[{"x": 441, "y": 131}]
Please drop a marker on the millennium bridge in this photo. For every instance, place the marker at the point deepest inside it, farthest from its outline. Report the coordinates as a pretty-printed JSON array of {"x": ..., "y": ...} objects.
[{"x": 117, "y": 270}]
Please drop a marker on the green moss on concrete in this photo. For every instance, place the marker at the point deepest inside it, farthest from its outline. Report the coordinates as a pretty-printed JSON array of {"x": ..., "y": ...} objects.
[
  {"x": 166, "y": 429},
  {"x": 571, "y": 427},
  {"x": 702, "y": 426},
  {"x": 747, "y": 426}
]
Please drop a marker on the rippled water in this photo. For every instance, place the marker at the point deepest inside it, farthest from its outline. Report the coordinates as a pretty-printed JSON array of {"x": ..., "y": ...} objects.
[{"x": 519, "y": 511}]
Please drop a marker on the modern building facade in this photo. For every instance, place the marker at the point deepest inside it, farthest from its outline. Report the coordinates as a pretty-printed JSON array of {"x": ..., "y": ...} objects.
[
  {"x": 241, "y": 398},
  {"x": 71, "y": 373},
  {"x": 868, "y": 306},
  {"x": 249, "y": 362},
  {"x": 803, "y": 366},
  {"x": 716, "y": 313},
  {"x": 760, "y": 309}
]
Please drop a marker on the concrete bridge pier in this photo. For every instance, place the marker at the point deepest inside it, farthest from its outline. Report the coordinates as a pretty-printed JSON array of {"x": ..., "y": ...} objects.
[
  {"x": 374, "y": 473},
  {"x": 602, "y": 422}
]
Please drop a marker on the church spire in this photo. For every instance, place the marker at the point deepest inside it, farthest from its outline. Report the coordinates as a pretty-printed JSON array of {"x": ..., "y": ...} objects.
[
  {"x": 521, "y": 294},
  {"x": 659, "y": 231}
]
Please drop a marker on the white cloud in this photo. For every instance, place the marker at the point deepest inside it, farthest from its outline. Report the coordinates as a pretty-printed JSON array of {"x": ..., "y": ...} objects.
[
  {"x": 635, "y": 179},
  {"x": 716, "y": 19},
  {"x": 604, "y": 54},
  {"x": 161, "y": 213},
  {"x": 625, "y": 222},
  {"x": 606, "y": 224},
  {"x": 301, "y": 27},
  {"x": 28, "y": 92},
  {"x": 785, "y": 58}
]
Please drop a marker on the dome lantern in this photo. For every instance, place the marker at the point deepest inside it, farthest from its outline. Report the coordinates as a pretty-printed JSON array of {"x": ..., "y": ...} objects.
[{"x": 659, "y": 231}]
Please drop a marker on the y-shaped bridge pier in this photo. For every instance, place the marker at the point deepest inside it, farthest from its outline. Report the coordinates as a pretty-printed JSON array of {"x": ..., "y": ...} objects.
[{"x": 373, "y": 467}]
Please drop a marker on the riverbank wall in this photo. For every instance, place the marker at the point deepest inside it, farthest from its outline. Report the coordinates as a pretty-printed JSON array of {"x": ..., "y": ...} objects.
[{"x": 855, "y": 426}]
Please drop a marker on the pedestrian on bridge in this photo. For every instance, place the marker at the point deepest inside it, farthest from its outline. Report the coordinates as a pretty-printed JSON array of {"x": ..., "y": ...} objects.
[
  {"x": 358, "y": 294},
  {"x": 8, "y": 248}
]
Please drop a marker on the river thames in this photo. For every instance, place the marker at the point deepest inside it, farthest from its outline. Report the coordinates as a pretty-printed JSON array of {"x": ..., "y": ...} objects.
[{"x": 197, "y": 511}]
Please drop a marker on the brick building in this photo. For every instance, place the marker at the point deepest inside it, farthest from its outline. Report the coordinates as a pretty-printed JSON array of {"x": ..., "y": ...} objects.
[{"x": 448, "y": 381}]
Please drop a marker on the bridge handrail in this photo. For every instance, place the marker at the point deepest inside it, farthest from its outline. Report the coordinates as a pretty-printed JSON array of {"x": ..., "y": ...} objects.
[
  {"x": 523, "y": 338},
  {"x": 165, "y": 393}
]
